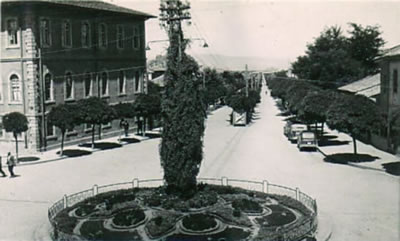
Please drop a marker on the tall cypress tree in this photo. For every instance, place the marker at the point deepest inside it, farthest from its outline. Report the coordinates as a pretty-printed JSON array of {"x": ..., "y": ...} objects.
[{"x": 183, "y": 111}]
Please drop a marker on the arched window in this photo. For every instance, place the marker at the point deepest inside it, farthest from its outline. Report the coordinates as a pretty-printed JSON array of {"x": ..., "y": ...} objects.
[
  {"x": 15, "y": 86},
  {"x": 69, "y": 86},
  {"x": 102, "y": 35},
  {"x": 88, "y": 84},
  {"x": 85, "y": 31},
  {"x": 48, "y": 87},
  {"x": 121, "y": 82},
  {"x": 45, "y": 33},
  {"x": 104, "y": 83}
]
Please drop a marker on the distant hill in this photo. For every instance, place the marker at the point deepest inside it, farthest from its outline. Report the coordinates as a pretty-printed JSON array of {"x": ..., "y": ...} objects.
[{"x": 238, "y": 63}]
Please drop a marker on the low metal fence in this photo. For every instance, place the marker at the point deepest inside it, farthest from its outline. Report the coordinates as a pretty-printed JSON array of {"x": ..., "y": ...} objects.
[{"x": 302, "y": 229}]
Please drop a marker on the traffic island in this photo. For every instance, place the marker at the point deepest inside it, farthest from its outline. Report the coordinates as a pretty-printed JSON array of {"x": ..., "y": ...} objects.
[{"x": 215, "y": 212}]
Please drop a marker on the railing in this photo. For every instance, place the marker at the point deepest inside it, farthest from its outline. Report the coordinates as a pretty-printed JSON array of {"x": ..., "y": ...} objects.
[{"x": 306, "y": 227}]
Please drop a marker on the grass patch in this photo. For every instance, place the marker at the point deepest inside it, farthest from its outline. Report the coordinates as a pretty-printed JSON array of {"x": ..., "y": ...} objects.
[
  {"x": 94, "y": 230},
  {"x": 162, "y": 223},
  {"x": 392, "y": 168},
  {"x": 199, "y": 222},
  {"x": 129, "y": 217},
  {"x": 344, "y": 158},
  {"x": 247, "y": 206}
]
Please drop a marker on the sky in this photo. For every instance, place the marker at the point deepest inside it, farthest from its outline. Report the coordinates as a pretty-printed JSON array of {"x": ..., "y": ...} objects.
[{"x": 274, "y": 30}]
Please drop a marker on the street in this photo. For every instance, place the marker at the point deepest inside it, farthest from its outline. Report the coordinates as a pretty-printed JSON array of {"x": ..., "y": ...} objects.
[{"x": 362, "y": 204}]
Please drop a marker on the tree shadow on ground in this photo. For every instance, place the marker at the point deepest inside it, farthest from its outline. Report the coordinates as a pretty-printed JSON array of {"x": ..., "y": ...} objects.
[
  {"x": 101, "y": 145},
  {"x": 75, "y": 153},
  {"x": 328, "y": 137},
  {"x": 392, "y": 168},
  {"x": 130, "y": 140},
  {"x": 345, "y": 158},
  {"x": 284, "y": 113},
  {"x": 328, "y": 142},
  {"x": 153, "y": 135},
  {"x": 28, "y": 159}
]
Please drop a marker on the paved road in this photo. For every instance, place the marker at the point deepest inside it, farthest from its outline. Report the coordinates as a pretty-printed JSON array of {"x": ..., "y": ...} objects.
[{"x": 363, "y": 204}]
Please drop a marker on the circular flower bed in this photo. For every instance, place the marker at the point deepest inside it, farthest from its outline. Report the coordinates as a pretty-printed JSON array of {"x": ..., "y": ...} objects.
[
  {"x": 199, "y": 222},
  {"x": 213, "y": 213}
]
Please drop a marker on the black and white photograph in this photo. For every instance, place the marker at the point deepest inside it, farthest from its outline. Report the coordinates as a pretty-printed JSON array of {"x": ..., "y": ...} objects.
[{"x": 200, "y": 120}]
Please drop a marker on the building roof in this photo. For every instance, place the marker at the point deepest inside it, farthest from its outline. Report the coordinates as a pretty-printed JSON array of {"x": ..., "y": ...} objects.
[
  {"x": 159, "y": 80},
  {"x": 89, "y": 4},
  {"x": 369, "y": 86},
  {"x": 394, "y": 51}
]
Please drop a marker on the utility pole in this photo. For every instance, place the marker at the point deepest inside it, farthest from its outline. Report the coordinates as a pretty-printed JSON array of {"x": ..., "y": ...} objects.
[
  {"x": 246, "y": 76},
  {"x": 173, "y": 12}
]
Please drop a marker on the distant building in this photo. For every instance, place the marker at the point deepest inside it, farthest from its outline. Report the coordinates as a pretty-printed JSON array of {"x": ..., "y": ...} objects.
[
  {"x": 390, "y": 94},
  {"x": 60, "y": 51}
]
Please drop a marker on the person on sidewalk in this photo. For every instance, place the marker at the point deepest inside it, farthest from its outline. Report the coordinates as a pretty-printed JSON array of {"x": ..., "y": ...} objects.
[
  {"x": 126, "y": 128},
  {"x": 1, "y": 170},
  {"x": 11, "y": 164}
]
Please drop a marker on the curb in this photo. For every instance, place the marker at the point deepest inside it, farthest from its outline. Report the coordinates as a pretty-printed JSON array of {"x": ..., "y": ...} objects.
[{"x": 324, "y": 230}]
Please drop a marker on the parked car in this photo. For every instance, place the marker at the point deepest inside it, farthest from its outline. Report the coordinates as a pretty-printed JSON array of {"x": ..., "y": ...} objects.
[
  {"x": 307, "y": 140},
  {"x": 295, "y": 130},
  {"x": 286, "y": 128}
]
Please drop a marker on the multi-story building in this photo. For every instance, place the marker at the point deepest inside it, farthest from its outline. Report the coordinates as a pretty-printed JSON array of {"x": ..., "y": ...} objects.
[
  {"x": 60, "y": 51},
  {"x": 390, "y": 92}
]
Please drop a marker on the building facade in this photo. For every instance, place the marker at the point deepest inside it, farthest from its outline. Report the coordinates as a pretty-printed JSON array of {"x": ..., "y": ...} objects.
[
  {"x": 390, "y": 93},
  {"x": 55, "y": 52}
]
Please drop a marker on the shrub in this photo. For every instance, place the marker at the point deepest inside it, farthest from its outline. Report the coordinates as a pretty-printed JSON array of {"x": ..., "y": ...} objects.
[
  {"x": 199, "y": 222},
  {"x": 248, "y": 206},
  {"x": 236, "y": 212},
  {"x": 129, "y": 217}
]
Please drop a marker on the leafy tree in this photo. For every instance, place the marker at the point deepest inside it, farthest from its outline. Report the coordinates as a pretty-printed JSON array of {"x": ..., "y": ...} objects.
[
  {"x": 183, "y": 110},
  {"x": 147, "y": 106},
  {"x": 214, "y": 86},
  {"x": 124, "y": 110},
  {"x": 296, "y": 93},
  {"x": 353, "y": 114},
  {"x": 314, "y": 107},
  {"x": 16, "y": 123},
  {"x": 281, "y": 73},
  {"x": 95, "y": 111},
  {"x": 334, "y": 58},
  {"x": 63, "y": 116},
  {"x": 364, "y": 46}
]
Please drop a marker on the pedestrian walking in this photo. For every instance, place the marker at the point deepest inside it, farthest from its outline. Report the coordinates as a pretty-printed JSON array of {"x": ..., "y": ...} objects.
[
  {"x": 11, "y": 164},
  {"x": 1, "y": 170}
]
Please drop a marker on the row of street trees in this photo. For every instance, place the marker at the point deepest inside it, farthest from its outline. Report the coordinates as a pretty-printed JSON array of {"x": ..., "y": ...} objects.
[
  {"x": 345, "y": 112},
  {"x": 95, "y": 111},
  {"x": 335, "y": 58}
]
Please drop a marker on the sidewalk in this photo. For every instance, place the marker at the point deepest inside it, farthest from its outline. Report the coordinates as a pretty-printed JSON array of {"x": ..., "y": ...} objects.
[
  {"x": 344, "y": 144},
  {"x": 27, "y": 157}
]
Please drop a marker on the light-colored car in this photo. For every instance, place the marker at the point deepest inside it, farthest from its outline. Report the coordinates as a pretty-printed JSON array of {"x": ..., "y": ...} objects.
[
  {"x": 307, "y": 140},
  {"x": 286, "y": 128},
  {"x": 295, "y": 130}
]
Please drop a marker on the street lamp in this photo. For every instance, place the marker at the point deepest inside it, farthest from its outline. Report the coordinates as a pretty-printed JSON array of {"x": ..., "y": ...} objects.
[{"x": 205, "y": 45}]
